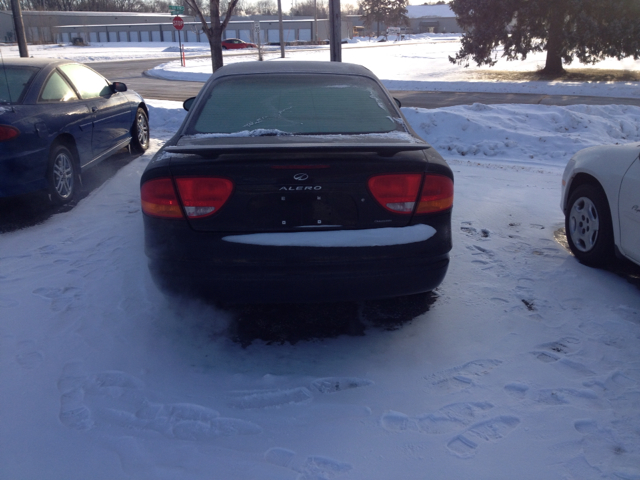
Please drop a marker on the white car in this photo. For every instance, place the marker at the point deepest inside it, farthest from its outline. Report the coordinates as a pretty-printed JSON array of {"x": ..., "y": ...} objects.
[{"x": 601, "y": 203}]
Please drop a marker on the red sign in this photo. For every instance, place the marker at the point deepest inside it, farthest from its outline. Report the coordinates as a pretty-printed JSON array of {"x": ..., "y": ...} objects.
[{"x": 178, "y": 23}]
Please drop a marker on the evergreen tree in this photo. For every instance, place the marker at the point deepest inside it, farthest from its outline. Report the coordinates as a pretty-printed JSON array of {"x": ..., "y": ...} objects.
[
  {"x": 589, "y": 30},
  {"x": 397, "y": 13},
  {"x": 390, "y": 12}
]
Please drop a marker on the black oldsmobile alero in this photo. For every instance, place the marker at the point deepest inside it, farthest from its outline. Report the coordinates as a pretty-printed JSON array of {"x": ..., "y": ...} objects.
[{"x": 296, "y": 182}]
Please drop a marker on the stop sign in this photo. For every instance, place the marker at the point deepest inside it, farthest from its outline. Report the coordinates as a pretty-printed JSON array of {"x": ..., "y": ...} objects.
[{"x": 178, "y": 23}]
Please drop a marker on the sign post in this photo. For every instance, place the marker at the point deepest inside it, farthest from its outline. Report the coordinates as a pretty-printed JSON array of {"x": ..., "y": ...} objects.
[{"x": 178, "y": 23}]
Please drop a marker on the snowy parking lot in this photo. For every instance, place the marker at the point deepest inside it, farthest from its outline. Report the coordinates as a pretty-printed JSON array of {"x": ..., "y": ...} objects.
[{"x": 525, "y": 364}]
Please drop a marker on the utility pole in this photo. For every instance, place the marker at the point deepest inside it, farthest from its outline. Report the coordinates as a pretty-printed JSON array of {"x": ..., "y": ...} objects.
[
  {"x": 315, "y": 21},
  {"x": 335, "y": 31},
  {"x": 280, "y": 28},
  {"x": 19, "y": 26}
]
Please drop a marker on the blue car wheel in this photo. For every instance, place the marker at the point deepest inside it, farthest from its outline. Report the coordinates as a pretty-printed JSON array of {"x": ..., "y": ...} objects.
[
  {"x": 62, "y": 175},
  {"x": 140, "y": 132}
]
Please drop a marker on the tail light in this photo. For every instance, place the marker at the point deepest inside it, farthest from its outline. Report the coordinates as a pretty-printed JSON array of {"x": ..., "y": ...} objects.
[
  {"x": 8, "y": 132},
  {"x": 398, "y": 193},
  {"x": 159, "y": 198},
  {"x": 437, "y": 194},
  {"x": 203, "y": 196}
]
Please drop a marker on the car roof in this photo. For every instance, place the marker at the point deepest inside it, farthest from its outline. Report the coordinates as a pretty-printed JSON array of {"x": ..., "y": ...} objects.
[
  {"x": 292, "y": 67},
  {"x": 33, "y": 62}
]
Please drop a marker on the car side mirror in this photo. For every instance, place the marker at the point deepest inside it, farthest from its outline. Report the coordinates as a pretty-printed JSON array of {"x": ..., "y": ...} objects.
[
  {"x": 398, "y": 102},
  {"x": 188, "y": 103},
  {"x": 118, "y": 87}
]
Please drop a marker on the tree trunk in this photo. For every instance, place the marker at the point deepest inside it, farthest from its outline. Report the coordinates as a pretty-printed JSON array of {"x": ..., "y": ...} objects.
[
  {"x": 555, "y": 48},
  {"x": 215, "y": 40}
]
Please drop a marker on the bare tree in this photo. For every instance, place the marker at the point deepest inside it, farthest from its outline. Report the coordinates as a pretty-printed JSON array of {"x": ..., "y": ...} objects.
[
  {"x": 306, "y": 8},
  {"x": 214, "y": 29},
  {"x": 350, "y": 9},
  {"x": 262, "y": 7}
]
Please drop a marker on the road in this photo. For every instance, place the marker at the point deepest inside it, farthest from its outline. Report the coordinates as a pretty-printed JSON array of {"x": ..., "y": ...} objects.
[{"x": 131, "y": 72}]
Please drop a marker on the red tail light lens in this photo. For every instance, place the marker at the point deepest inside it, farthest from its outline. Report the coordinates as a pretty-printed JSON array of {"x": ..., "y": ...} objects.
[
  {"x": 8, "y": 132},
  {"x": 437, "y": 194},
  {"x": 159, "y": 199},
  {"x": 203, "y": 196},
  {"x": 397, "y": 193}
]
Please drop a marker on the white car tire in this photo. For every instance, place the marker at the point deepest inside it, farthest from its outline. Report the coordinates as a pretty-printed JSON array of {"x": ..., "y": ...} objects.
[{"x": 588, "y": 226}]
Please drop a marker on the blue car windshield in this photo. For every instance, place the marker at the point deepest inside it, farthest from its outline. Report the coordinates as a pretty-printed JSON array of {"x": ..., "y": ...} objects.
[
  {"x": 295, "y": 104},
  {"x": 14, "y": 81}
]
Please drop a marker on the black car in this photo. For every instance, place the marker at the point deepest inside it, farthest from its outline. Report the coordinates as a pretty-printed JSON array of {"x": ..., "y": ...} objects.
[
  {"x": 296, "y": 182},
  {"x": 58, "y": 118}
]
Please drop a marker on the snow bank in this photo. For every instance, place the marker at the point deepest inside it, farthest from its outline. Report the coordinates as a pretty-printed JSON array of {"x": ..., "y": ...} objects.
[{"x": 536, "y": 135}]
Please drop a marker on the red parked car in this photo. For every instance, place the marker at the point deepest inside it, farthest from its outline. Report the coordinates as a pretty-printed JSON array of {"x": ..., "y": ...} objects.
[{"x": 233, "y": 43}]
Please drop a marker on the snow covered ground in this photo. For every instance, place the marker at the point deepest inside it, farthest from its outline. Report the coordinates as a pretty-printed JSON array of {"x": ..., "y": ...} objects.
[{"x": 525, "y": 366}]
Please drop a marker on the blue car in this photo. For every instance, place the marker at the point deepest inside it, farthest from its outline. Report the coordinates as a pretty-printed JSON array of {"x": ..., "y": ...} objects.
[{"x": 58, "y": 118}]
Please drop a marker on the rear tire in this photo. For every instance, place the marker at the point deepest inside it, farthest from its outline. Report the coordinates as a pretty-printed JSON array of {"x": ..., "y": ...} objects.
[
  {"x": 588, "y": 226},
  {"x": 140, "y": 132},
  {"x": 62, "y": 175}
]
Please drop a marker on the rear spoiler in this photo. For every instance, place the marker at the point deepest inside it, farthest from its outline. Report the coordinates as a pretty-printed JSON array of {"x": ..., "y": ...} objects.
[{"x": 383, "y": 149}]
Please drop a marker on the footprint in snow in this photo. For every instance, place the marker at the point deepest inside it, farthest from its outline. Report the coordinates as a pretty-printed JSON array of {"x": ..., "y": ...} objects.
[
  {"x": 556, "y": 352},
  {"x": 313, "y": 467},
  {"x": 337, "y": 384},
  {"x": 612, "y": 453},
  {"x": 445, "y": 420},
  {"x": 28, "y": 356},
  {"x": 269, "y": 398},
  {"x": 297, "y": 395},
  {"x": 553, "y": 397},
  {"x": 62, "y": 299},
  {"x": 471, "y": 231},
  {"x": 564, "y": 346},
  {"x": 6, "y": 302},
  {"x": 466, "y": 444},
  {"x": 116, "y": 400},
  {"x": 566, "y": 366},
  {"x": 568, "y": 396},
  {"x": 462, "y": 377}
]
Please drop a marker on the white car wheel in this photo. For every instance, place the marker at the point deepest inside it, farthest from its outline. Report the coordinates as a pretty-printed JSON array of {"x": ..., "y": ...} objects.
[{"x": 588, "y": 226}]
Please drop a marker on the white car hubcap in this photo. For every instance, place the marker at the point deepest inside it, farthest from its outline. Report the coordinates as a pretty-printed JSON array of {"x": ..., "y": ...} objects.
[{"x": 584, "y": 224}]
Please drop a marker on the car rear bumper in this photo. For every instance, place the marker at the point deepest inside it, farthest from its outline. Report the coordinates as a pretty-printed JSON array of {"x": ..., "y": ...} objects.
[
  {"x": 202, "y": 264},
  {"x": 300, "y": 283}
]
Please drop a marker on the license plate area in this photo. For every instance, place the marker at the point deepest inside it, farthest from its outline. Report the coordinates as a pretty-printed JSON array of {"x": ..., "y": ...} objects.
[{"x": 286, "y": 210}]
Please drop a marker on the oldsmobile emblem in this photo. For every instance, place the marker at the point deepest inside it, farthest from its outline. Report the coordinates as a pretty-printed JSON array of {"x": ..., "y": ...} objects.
[{"x": 301, "y": 177}]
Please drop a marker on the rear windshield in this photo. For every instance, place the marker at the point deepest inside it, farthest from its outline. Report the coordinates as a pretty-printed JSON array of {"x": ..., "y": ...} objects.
[
  {"x": 14, "y": 82},
  {"x": 295, "y": 104}
]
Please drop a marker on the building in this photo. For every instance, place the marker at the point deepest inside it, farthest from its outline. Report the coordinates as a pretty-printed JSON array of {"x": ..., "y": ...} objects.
[
  {"x": 41, "y": 27},
  {"x": 422, "y": 19},
  {"x": 432, "y": 19},
  {"x": 94, "y": 27},
  {"x": 102, "y": 27}
]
